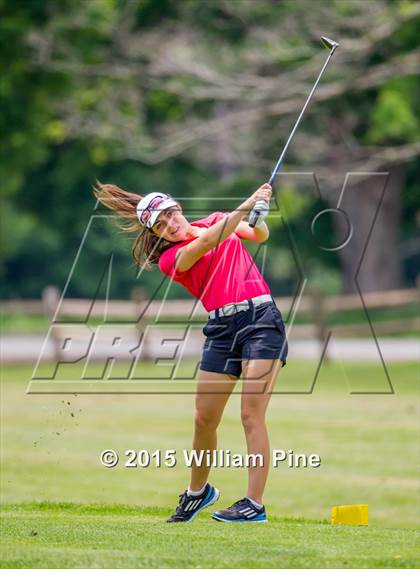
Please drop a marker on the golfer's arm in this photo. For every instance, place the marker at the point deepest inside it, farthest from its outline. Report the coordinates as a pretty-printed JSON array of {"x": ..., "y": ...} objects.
[
  {"x": 256, "y": 234},
  {"x": 191, "y": 253}
]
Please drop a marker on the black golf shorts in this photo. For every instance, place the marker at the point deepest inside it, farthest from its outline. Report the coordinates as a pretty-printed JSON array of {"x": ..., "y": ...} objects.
[{"x": 254, "y": 334}]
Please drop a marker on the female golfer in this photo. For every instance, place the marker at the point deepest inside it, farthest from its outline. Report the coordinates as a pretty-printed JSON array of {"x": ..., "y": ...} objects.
[{"x": 244, "y": 332}]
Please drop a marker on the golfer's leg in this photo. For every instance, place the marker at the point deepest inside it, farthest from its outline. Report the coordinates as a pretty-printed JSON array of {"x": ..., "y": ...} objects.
[
  {"x": 258, "y": 380},
  {"x": 213, "y": 391}
]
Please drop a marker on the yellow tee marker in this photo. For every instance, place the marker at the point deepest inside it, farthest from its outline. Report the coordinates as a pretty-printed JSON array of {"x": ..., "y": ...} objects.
[{"x": 356, "y": 515}]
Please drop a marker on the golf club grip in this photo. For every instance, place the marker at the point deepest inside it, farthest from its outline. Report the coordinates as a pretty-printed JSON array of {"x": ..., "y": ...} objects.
[
  {"x": 253, "y": 218},
  {"x": 255, "y": 214}
]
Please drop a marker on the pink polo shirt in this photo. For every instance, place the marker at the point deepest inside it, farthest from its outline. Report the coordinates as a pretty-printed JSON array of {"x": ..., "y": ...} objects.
[{"x": 226, "y": 273}]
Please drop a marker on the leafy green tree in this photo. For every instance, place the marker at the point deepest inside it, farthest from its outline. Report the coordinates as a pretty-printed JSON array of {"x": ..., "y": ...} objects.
[{"x": 197, "y": 98}]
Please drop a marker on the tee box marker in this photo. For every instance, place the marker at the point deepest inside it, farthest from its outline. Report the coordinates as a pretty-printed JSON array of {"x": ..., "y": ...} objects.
[{"x": 356, "y": 515}]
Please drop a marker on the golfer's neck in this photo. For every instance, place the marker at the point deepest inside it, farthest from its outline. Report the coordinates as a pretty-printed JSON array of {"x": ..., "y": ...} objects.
[{"x": 193, "y": 231}]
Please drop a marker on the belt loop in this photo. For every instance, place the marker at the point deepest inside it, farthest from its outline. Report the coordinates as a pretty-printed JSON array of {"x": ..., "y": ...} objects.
[
  {"x": 217, "y": 315},
  {"x": 252, "y": 309}
]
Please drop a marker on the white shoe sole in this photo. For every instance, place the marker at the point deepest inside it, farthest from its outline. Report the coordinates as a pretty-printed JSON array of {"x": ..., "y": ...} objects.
[{"x": 237, "y": 522}]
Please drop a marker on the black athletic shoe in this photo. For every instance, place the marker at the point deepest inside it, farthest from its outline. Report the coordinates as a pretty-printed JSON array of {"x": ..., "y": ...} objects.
[
  {"x": 190, "y": 506},
  {"x": 241, "y": 511}
]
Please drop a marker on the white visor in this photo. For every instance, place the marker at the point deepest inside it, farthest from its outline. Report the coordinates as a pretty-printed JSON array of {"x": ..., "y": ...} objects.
[{"x": 151, "y": 206}]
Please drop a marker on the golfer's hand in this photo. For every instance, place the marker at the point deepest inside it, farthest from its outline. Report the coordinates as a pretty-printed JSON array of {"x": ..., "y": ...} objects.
[{"x": 263, "y": 193}]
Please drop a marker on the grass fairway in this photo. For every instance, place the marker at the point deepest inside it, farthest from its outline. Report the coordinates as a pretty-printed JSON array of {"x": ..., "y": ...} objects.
[
  {"x": 68, "y": 536},
  {"x": 62, "y": 508}
]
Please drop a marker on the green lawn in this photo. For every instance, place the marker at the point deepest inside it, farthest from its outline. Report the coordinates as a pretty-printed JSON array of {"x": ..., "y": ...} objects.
[
  {"x": 67, "y": 536},
  {"x": 62, "y": 508}
]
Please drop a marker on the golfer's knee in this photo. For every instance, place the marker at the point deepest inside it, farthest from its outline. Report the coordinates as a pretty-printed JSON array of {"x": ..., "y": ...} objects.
[
  {"x": 251, "y": 420},
  {"x": 205, "y": 421}
]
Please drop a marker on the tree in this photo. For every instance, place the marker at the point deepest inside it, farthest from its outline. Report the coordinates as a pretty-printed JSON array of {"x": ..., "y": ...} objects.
[{"x": 151, "y": 87}]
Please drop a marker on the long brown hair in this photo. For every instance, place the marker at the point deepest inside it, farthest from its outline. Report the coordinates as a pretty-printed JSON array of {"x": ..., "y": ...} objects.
[{"x": 147, "y": 246}]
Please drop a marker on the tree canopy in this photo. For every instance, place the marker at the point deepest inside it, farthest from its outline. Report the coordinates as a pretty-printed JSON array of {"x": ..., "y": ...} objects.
[{"x": 197, "y": 98}]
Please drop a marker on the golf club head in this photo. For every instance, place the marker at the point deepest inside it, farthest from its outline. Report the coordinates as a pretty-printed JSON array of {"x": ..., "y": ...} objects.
[{"x": 329, "y": 43}]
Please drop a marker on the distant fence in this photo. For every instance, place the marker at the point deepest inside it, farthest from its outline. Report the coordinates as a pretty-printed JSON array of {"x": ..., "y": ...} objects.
[
  {"x": 314, "y": 309},
  {"x": 309, "y": 317}
]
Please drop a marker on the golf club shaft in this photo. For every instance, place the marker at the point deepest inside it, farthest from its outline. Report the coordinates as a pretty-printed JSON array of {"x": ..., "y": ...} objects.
[
  {"x": 286, "y": 146},
  {"x": 255, "y": 214}
]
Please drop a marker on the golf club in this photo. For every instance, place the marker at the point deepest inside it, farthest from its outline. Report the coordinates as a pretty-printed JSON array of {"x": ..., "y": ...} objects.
[{"x": 261, "y": 204}]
